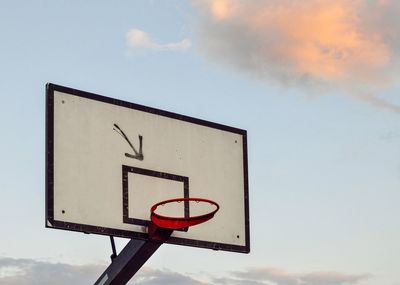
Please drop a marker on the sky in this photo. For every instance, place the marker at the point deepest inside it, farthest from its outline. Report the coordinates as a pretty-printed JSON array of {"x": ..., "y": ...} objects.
[{"x": 314, "y": 83}]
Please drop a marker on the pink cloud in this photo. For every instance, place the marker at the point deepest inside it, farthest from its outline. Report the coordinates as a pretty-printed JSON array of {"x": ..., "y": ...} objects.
[{"x": 352, "y": 45}]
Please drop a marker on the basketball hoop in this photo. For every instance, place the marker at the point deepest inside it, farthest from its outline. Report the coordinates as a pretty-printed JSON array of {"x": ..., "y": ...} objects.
[{"x": 176, "y": 223}]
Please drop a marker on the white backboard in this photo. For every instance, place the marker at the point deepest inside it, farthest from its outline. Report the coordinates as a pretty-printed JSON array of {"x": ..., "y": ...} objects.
[{"x": 108, "y": 161}]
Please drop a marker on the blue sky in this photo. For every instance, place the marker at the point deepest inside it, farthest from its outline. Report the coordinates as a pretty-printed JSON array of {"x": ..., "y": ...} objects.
[{"x": 324, "y": 161}]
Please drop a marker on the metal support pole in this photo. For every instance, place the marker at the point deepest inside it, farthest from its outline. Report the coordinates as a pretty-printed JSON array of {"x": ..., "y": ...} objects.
[
  {"x": 132, "y": 258},
  {"x": 128, "y": 262}
]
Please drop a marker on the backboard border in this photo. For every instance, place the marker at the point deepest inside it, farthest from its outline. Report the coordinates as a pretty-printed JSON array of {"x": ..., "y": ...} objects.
[{"x": 50, "y": 222}]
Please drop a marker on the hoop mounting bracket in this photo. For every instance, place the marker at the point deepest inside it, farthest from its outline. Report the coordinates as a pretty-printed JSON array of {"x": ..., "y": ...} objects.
[{"x": 158, "y": 234}]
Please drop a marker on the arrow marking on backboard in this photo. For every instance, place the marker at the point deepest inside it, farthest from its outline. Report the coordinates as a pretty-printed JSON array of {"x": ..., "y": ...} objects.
[{"x": 138, "y": 154}]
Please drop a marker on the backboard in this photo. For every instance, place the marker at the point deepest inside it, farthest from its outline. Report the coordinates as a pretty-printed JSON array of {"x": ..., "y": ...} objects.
[{"x": 108, "y": 161}]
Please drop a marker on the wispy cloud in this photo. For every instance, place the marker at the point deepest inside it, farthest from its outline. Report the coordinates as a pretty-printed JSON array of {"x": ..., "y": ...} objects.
[
  {"x": 34, "y": 272},
  {"x": 140, "y": 40},
  {"x": 279, "y": 276},
  {"x": 148, "y": 276},
  {"x": 349, "y": 45}
]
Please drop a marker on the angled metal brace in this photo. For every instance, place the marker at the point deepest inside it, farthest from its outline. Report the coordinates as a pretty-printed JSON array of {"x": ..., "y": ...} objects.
[{"x": 132, "y": 258}]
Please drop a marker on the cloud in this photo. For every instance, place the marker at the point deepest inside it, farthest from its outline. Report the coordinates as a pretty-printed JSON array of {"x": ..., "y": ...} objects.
[
  {"x": 33, "y": 272},
  {"x": 148, "y": 276},
  {"x": 279, "y": 276},
  {"x": 140, "y": 40},
  {"x": 349, "y": 45}
]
